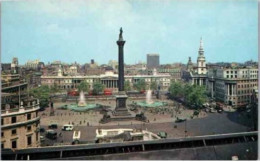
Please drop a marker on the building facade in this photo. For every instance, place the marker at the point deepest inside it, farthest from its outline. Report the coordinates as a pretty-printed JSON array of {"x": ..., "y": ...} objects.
[
  {"x": 233, "y": 85},
  {"x": 109, "y": 79},
  {"x": 20, "y": 124},
  {"x": 19, "y": 115}
]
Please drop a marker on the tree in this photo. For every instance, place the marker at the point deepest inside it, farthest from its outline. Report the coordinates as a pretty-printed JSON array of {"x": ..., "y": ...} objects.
[
  {"x": 192, "y": 94},
  {"x": 127, "y": 86},
  {"x": 54, "y": 88},
  {"x": 153, "y": 85},
  {"x": 140, "y": 85},
  {"x": 98, "y": 88},
  {"x": 83, "y": 86},
  {"x": 176, "y": 89},
  {"x": 196, "y": 95},
  {"x": 43, "y": 94}
]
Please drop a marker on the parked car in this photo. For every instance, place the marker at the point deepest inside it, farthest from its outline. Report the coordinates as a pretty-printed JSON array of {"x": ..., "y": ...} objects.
[
  {"x": 51, "y": 134},
  {"x": 42, "y": 138},
  {"x": 220, "y": 110},
  {"x": 53, "y": 126},
  {"x": 67, "y": 127},
  {"x": 162, "y": 134},
  {"x": 178, "y": 120}
]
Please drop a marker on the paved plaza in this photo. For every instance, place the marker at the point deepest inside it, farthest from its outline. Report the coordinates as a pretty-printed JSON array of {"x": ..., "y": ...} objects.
[{"x": 88, "y": 122}]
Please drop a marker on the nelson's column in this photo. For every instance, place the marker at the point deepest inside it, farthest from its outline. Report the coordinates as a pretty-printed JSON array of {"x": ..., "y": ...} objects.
[{"x": 121, "y": 112}]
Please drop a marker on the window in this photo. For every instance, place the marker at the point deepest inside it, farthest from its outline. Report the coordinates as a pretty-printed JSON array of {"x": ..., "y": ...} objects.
[
  {"x": 14, "y": 144},
  {"x": 2, "y": 121},
  {"x": 29, "y": 128},
  {"x": 2, "y": 134},
  {"x": 29, "y": 140},
  {"x": 14, "y": 132},
  {"x": 28, "y": 116},
  {"x": 14, "y": 119},
  {"x": 2, "y": 145}
]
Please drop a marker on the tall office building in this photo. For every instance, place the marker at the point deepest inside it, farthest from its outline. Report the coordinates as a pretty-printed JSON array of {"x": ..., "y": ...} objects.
[{"x": 153, "y": 61}]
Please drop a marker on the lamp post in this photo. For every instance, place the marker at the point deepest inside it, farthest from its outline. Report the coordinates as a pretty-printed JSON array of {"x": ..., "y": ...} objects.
[{"x": 185, "y": 129}]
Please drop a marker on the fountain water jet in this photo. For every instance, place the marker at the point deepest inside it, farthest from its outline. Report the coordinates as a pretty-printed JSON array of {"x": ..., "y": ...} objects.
[
  {"x": 149, "y": 102},
  {"x": 82, "y": 101},
  {"x": 149, "y": 97}
]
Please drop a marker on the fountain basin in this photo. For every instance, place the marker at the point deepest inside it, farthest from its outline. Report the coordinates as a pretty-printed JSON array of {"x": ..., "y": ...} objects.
[
  {"x": 80, "y": 108},
  {"x": 153, "y": 104}
]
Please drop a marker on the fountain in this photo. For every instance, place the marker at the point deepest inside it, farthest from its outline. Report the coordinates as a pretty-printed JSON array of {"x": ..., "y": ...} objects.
[
  {"x": 81, "y": 106},
  {"x": 149, "y": 102}
]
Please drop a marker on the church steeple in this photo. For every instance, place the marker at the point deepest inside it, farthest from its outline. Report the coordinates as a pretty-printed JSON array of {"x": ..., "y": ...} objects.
[
  {"x": 201, "y": 61},
  {"x": 201, "y": 50}
]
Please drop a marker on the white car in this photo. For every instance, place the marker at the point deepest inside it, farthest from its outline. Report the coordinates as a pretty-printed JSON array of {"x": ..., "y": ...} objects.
[{"x": 67, "y": 127}]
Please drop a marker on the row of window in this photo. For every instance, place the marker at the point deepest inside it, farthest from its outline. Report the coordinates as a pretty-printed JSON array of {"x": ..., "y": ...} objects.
[
  {"x": 231, "y": 76},
  {"x": 232, "y": 72},
  {"x": 14, "y": 119},
  {"x": 245, "y": 91},
  {"x": 244, "y": 97},
  {"x": 14, "y": 142},
  {"x": 247, "y": 81},
  {"x": 14, "y": 131},
  {"x": 246, "y": 86}
]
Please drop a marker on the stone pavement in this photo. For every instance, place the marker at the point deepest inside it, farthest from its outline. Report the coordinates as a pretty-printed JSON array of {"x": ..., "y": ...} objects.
[{"x": 92, "y": 117}]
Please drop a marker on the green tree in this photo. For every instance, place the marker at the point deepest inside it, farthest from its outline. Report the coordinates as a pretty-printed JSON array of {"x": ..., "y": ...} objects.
[
  {"x": 196, "y": 95},
  {"x": 192, "y": 94},
  {"x": 54, "y": 88},
  {"x": 83, "y": 86},
  {"x": 153, "y": 85},
  {"x": 43, "y": 94},
  {"x": 127, "y": 86},
  {"x": 176, "y": 89},
  {"x": 98, "y": 88},
  {"x": 140, "y": 85}
]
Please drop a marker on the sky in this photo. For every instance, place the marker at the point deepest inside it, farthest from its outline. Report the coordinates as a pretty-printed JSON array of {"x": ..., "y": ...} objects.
[{"x": 81, "y": 30}]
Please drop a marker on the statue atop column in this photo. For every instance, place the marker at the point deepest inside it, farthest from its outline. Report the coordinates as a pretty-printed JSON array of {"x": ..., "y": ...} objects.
[{"x": 121, "y": 34}]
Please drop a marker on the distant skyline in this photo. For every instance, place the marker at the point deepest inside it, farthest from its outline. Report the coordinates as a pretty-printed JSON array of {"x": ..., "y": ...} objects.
[{"x": 82, "y": 30}]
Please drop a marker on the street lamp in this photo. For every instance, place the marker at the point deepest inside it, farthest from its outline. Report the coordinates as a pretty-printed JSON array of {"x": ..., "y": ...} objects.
[{"x": 185, "y": 129}]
